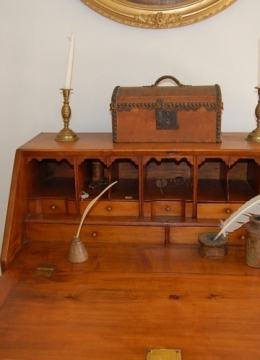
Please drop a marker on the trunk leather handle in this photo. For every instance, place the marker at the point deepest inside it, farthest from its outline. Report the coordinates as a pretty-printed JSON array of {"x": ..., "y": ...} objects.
[{"x": 167, "y": 77}]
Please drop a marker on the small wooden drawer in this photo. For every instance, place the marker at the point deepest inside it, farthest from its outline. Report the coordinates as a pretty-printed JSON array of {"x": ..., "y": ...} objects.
[
  {"x": 237, "y": 237},
  {"x": 111, "y": 208},
  {"x": 216, "y": 211},
  {"x": 90, "y": 233},
  {"x": 190, "y": 235},
  {"x": 52, "y": 206},
  {"x": 124, "y": 234},
  {"x": 168, "y": 208}
]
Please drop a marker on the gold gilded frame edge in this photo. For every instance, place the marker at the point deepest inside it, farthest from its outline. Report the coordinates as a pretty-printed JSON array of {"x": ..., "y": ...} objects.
[{"x": 158, "y": 16}]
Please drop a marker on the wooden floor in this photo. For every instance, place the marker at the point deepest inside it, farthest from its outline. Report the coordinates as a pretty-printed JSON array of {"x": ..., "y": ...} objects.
[{"x": 126, "y": 299}]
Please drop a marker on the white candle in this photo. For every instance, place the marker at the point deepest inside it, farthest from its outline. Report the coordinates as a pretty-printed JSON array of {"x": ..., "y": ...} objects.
[
  {"x": 258, "y": 83},
  {"x": 68, "y": 77}
]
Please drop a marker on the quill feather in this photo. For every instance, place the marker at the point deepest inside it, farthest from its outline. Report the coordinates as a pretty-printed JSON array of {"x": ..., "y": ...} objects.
[
  {"x": 92, "y": 202},
  {"x": 240, "y": 217}
]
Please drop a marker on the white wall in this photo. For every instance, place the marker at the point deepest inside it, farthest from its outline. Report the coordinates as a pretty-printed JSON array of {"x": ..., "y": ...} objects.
[{"x": 33, "y": 39}]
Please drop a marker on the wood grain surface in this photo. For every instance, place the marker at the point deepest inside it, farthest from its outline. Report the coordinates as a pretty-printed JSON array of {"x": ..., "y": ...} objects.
[{"x": 126, "y": 299}]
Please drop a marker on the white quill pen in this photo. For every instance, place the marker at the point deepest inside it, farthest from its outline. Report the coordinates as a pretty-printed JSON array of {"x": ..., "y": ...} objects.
[
  {"x": 90, "y": 206},
  {"x": 240, "y": 217}
]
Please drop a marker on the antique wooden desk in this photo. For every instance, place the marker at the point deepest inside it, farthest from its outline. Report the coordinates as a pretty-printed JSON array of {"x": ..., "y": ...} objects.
[{"x": 144, "y": 285}]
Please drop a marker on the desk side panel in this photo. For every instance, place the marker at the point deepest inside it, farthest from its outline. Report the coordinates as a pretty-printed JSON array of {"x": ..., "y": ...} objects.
[{"x": 17, "y": 209}]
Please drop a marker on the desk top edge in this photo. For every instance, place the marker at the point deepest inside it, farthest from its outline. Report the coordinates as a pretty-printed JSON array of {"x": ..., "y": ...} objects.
[{"x": 103, "y": 141}]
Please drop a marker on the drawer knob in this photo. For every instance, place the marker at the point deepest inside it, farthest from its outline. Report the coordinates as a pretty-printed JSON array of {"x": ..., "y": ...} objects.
[
  {"x": 53, "y": 207},
  {"x": 243, "y": 237},
  {"x": 94, "y": 234},
  {"x": 109, "y": 208},
  {"x": 228, "y": 211},
  {"x": 168, "y": 208}
]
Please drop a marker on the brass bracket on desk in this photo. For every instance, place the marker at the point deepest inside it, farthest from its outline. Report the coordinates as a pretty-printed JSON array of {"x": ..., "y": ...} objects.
[
  {"x": 163, "y": 354},
  {"x": 45, "y": 270}
]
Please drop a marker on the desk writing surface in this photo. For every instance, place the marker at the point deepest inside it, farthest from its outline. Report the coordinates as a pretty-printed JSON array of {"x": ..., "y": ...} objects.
[{"x": 126, "y": 299}]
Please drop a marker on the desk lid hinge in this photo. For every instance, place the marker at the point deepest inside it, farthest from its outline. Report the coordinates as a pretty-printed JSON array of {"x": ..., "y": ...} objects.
[
  {"x": 45, "y": 270},
  {"x": 163, "y": 354}
]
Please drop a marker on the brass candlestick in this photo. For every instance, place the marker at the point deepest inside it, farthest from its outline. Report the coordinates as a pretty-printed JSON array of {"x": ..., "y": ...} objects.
[
  {"x": 66, "y": 134},
  {"x": 254, "y": 136}
]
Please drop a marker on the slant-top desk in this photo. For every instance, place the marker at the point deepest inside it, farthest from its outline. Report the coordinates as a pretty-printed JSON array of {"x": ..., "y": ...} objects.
[{"x": 144, "y": 285}]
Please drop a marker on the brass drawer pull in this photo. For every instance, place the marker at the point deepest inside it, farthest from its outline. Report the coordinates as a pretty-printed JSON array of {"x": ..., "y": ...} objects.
[
  {"x": 109, "y": 208},
  {"x": 228, "y": 211},
  {"x": 168, "y": 208},
  {"x": 94, "y": 234},
  {"x": 53, "y": 207}
]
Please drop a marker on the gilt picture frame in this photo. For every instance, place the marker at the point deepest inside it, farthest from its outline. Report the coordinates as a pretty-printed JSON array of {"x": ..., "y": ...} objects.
[{"x": 158, "y": 14}]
